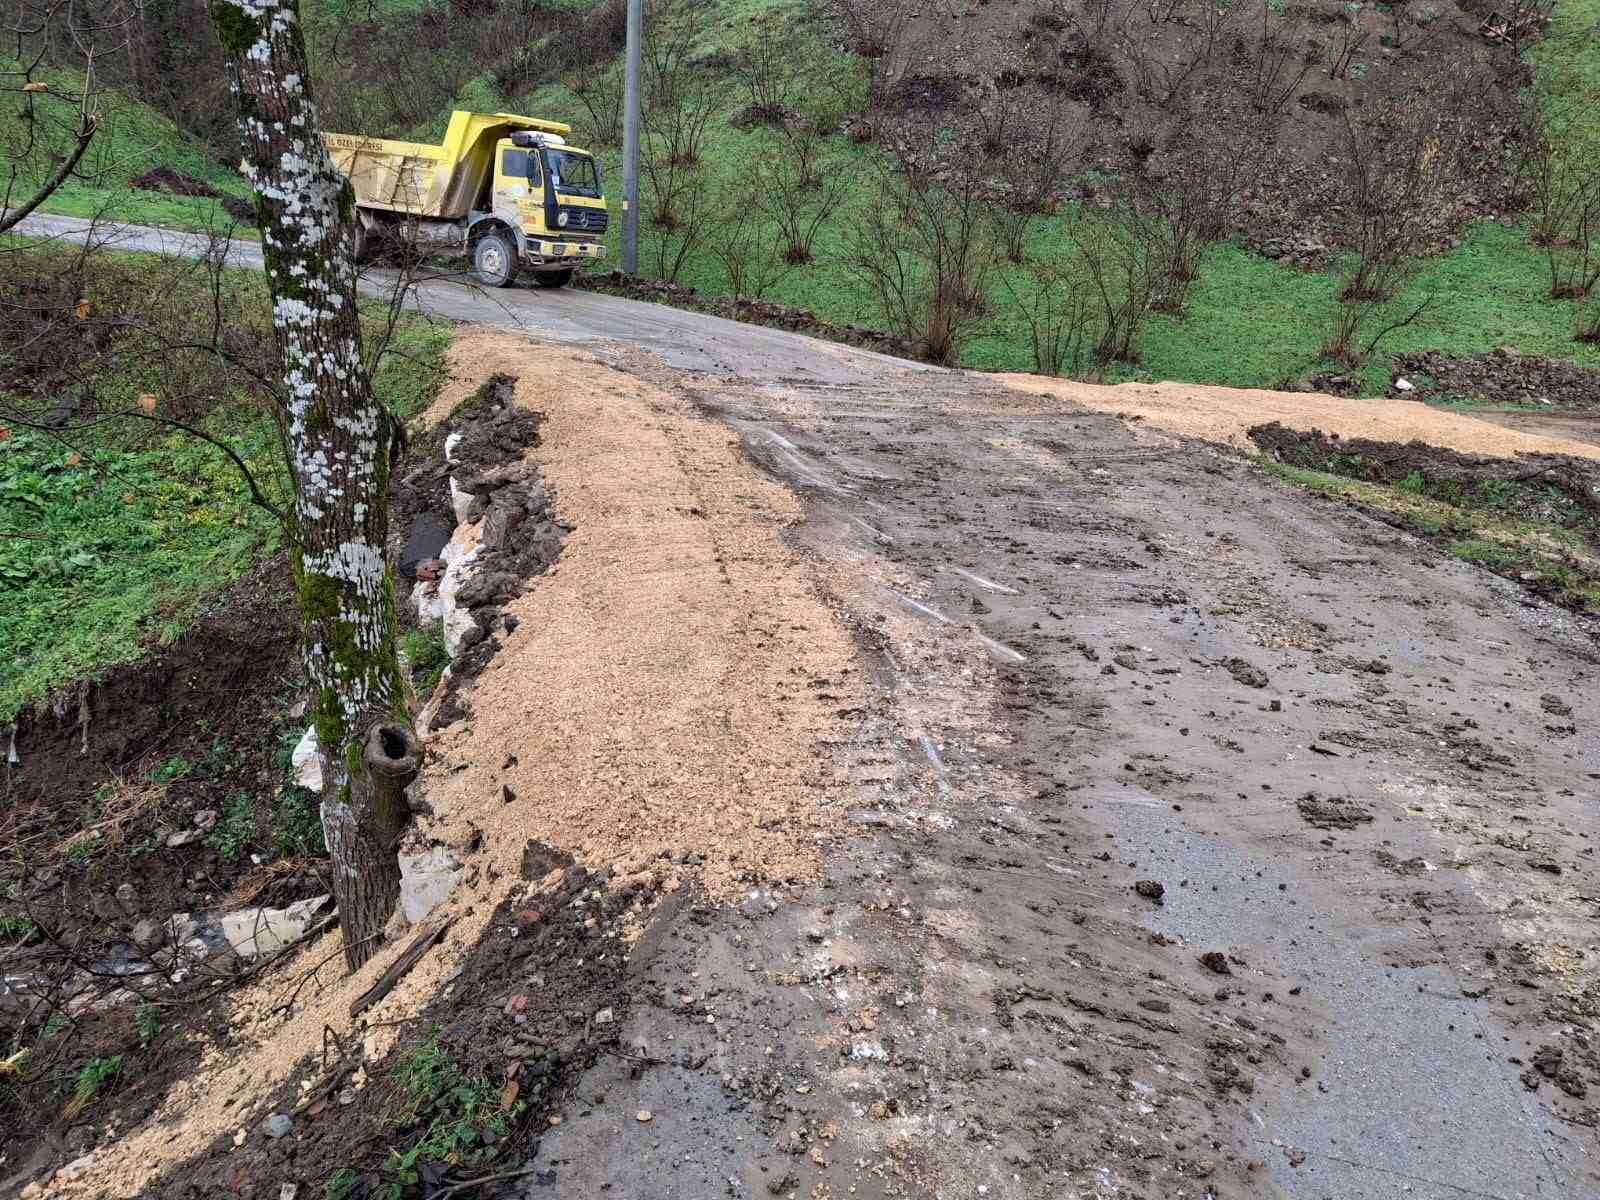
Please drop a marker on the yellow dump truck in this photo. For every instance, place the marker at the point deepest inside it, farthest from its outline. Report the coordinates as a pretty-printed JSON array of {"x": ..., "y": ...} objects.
[{"x": 503, "y": 190}]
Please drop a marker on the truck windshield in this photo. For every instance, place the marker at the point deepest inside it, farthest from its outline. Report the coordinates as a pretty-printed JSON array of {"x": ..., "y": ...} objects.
[{"x": 575, "y": 174}]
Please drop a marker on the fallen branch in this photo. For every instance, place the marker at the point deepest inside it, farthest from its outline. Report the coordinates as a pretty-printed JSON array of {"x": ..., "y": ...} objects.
[
  {"x": 482, "y": 1179},
  {"x": 419, "y": 946}
]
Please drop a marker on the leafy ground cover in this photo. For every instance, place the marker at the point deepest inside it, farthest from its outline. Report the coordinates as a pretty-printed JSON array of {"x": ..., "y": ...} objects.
[{"x": 112, "y": 539}]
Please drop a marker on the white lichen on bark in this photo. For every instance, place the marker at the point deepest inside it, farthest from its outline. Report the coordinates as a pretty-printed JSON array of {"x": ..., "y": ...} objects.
[{"x": 336, "y": 433}]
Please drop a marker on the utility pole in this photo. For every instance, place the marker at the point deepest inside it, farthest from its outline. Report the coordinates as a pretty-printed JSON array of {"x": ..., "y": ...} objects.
[{"x": 630, "y": 140}]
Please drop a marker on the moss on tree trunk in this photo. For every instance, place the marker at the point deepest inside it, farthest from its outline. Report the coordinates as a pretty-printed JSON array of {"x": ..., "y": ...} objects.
[{"x": 337, "y": 438}]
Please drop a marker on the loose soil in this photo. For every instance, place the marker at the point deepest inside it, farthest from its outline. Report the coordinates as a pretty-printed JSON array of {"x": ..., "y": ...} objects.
[
  {"x": 646, "y": 713},
  {"x": 1115, "y": 64},
  {"x": 1502, "y": 376}
]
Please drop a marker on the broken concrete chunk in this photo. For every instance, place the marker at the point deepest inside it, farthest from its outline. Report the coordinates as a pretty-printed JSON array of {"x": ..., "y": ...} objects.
[
  {"x": 426, "y": 881},
  {"x": 262, "y": 932},
  {"x": 307, "y": 762}
]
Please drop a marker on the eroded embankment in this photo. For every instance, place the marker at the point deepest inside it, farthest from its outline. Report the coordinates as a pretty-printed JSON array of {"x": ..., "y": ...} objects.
[{"x": 654, "y": 711}]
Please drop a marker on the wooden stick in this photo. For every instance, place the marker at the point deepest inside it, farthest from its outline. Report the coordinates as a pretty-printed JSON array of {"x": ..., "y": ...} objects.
[{"x": 419, "y": 946}]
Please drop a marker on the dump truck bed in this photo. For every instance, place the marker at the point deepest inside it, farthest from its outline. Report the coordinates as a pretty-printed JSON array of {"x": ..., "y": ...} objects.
[{"x": 423, "y": 179}]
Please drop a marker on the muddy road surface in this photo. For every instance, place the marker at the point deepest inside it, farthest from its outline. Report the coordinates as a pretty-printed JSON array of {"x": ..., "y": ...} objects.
[
  {"x": 1211, "y": 840},
  {"x": 1206, "y": 838}
]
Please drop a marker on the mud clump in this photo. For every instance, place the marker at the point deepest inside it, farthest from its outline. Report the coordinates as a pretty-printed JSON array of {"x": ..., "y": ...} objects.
[
  {"x": 1246, "y": 674},
  {"x": 1550, "y": 1062},
  {"x": 1150, "y": 890},
  {"x": 1331, "y": 813},
  {"x": 1216, "y": 962}
]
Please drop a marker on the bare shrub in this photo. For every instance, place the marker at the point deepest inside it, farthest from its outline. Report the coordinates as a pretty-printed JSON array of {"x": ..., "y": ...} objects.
[
  {"x": 750, "y": 254},
  {"x": 1030, "y": 153},
  {"x": 765, "y": 66},
  {"x": 1280, "y": 65},
  {"x": 790, "y": 189},
  {"x": 1187, "y": 196},
  {"x": 678, "y": 104},
  {"x": 601, "y": 94},
  {"x": 1402, "y": 159},
  {"x": 875, "y": 33},
  {"x": 1120, "y": 257},
  {"x": 691, "y": 211},
  {"x": 1058, "y": 312},
  {"x": 1350, "y": 37},
  {"x": 922, "y": 247},
  {"x": 1560, "y": 169}
]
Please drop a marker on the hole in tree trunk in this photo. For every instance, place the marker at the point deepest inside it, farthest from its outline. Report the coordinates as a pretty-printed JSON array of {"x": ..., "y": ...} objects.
[{"x": 395, "y": 744}]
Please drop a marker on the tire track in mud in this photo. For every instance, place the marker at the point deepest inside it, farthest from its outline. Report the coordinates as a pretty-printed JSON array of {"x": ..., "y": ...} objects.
[{"x": 1136, "y": 579}]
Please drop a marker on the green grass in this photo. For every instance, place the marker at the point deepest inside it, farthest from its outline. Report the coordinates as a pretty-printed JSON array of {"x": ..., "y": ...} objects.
[
  {"x": 131, "y": 139},
  {"x": 104, "y": 556},
  {"x": 427, "y": 656},
  {"x": 1250, "y": 322}
]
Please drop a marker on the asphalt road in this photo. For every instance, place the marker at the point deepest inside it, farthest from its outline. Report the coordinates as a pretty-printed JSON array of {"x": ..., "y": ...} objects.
[{"x": 685, "y": 340}]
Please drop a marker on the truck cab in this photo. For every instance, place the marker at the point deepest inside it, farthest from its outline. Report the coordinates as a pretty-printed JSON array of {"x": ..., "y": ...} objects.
[{"x": 551, "y": 194}]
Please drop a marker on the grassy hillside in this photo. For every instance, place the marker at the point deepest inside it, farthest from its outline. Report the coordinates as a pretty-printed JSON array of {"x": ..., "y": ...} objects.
[
  {"x": 113, "y": 537},
  {"x": 1250, "y": 320},
  {"x": 132, "y": 138}
]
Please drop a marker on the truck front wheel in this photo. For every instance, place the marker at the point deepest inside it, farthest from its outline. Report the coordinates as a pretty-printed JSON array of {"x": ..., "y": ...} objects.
[
  {"x": 553, "y": 279},
  {"x": 494, "y": 260}
]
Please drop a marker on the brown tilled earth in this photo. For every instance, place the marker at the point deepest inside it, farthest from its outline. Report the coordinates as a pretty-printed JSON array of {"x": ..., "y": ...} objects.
[{"x": 976, "y": 794}]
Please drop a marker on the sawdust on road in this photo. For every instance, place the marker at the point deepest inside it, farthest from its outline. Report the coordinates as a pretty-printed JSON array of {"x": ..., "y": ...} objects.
[{"x": 1225, "y": 415}]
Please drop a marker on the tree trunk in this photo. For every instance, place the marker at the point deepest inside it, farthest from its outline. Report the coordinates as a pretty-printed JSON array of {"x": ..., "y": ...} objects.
[{"x": 338, "y": 439}]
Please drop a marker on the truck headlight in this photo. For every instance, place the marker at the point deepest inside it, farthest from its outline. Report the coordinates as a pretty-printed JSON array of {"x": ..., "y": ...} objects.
[{"x": 562, "y": 220}]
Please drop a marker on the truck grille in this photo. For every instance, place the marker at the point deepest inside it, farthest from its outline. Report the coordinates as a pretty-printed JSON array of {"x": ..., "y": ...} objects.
[{"x": 585, "y": 220}]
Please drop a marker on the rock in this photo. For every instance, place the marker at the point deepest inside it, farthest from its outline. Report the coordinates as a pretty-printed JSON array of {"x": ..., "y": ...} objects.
[
  {"x": 183, "y": 838},
  {"x": 1331, "y": 813},
  {"x": 307, "y": 762},
  {"x": 605, "y": 1016},
  {"x": 488, "y": 587},
  {"x": 148, "y": 935},
  {"x": 127, "y": 894},
  {"x": 1150, "y": 890},
  {"x": 426, "y": 881},
  {"x": 1403, "y": 384},
  {"x": 1155, "y": 1006},
  {"x": 1216, "y": 961},
  {"x": 288, "y": 1191},
  {"x": 262, "y": 932},
  {"x": 76, "y": 1169},
  {"x": 1555, "y": 705},
  {"x": 276, "y": 1126},
  {"x": 643, "y": 1115},
  {"x": 206, "y": 820}
]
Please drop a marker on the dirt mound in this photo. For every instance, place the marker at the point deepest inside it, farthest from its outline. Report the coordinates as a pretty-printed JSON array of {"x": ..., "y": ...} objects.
[
  {"x": 1135, "y": 74},
  {"x": 165, "y": 179},
  {"x": 1543, "y": 487},
  {"x": 645, "y": 713},
  {"x": 515, "y": 1029},
  {"x": 1503, "y": 376}
]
